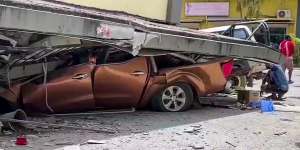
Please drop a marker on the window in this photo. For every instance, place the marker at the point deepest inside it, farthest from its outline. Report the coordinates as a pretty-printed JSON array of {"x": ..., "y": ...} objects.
[
  {"x": 169, "y": 61},
  {"x": 240, "y": 33},
  {"x": 237, "y": 33}
]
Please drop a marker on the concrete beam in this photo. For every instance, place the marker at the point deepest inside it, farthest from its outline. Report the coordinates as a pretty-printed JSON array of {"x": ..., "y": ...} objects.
[{"x": 298, "y": 20}]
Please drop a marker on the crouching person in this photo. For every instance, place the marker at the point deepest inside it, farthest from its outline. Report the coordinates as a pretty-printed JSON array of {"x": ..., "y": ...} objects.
[{"x": 275, "y": 82}]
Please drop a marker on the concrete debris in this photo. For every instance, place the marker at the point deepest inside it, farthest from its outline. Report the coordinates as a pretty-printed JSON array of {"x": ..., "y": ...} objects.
[
  {"x": 95, "y": 142},
  {"x": 145, "y": 133},
  {"x": 47, "y": 125},
  {"x": 230, "y": 144},
  {"x": 291, "y": 104},
  {"x": 48, "y": 144},
  {"x": 15, "y": 115},
  {"x": 62, "y": 143},
  {"x": 284, "y": 119},
  {"x": 280, "y": 133},
  {"x": 193, "y": 131},
  {"x": 196, "y": 126},
  {"x": 257, "y": 133},
  {"x": 197, "y": 147},
  {"x": 137, "y": 131}
]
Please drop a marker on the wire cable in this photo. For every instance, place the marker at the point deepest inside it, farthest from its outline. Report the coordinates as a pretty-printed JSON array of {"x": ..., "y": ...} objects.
[{"x": 45, "y": 69}]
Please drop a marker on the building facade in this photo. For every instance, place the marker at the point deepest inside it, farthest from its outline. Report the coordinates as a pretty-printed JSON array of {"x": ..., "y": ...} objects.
[
  {"x": 199, "y": 14},
  {"x": 163, "y": 10},
  {"x": 283, "y": 15}
]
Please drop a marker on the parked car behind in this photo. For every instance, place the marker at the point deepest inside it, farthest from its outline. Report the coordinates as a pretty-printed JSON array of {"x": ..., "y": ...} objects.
[
  {"x": 117, "y": 80},
  {"x": 243, "y": 71}
]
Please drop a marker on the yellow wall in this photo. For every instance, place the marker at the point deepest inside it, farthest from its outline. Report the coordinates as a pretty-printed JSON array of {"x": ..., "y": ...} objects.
[
  {"x": 268, "y": 8},
  {"x": 155, "y": 9}
]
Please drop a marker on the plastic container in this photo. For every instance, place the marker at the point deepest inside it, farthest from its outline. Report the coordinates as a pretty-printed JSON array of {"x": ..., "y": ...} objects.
[
  {"x": 267, "y": 106},
  {"x": 21, "y": 140},
  {"x": 255, "y": 105}
]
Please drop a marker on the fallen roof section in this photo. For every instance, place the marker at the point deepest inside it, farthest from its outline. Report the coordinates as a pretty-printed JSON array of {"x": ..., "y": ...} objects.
[{"x": 63, "y": 19}]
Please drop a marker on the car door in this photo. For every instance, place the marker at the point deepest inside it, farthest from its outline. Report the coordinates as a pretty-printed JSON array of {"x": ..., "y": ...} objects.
[
  {"x": 120, "y": 82},
  {"x": 67, "y": 90}
]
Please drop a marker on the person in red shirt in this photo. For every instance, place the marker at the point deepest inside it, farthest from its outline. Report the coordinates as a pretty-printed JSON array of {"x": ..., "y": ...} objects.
[{"x": 287, "y": 48}]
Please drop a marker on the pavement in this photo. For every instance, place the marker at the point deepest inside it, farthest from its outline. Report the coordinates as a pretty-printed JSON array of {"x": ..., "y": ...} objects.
[{"x": 209, "y": 128}]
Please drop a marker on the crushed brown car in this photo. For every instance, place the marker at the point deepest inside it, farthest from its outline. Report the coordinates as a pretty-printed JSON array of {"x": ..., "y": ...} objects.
[{"x": 115, "y": 79}]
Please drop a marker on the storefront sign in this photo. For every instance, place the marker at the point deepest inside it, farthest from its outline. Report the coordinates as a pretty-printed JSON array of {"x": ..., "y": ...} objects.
[{"x": 207, "y": 9}]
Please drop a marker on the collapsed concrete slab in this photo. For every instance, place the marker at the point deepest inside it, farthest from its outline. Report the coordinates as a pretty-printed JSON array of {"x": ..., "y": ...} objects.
[{"x": 132, "y": 33}]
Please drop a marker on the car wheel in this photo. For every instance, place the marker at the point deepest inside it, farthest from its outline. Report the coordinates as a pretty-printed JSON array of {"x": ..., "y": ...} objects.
[
  {"x": 173, "y": 98},
  {"x": 235, "y": 83}
]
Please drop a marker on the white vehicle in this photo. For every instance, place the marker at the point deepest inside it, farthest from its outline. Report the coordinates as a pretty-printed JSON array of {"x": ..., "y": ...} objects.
[
  {"x": 244, "y": 71},
  {"x": 239, "y": 31}
]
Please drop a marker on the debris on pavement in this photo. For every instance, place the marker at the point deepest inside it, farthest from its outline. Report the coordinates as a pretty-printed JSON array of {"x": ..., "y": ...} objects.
[
  {"x": 257, "y": 133},
  {"x": 196, "y": 147},
  {"x": 11, "y": 125},
  {"x": 230, "y": 144},
  {"x": 287, "y": 120},
  {"x": 280, "y": 133},
  {"x": 63, "y": 143},
  {"x": 95, "y": 142},
  {"x": 110, "y": 131},
  {"x": 193, "y": 130}
]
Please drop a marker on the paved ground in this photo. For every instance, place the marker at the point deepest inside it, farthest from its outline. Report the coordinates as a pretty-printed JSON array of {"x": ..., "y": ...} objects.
[{"x": 208, "y": 128}]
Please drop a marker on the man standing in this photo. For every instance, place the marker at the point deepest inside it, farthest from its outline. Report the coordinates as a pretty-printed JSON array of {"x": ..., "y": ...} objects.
[{"x": 287, "y": 49}]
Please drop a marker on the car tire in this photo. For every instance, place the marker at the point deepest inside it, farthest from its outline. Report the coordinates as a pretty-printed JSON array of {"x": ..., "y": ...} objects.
[
  {"x": 173, "y": 98},
  {"x": 235, "y": 83}
]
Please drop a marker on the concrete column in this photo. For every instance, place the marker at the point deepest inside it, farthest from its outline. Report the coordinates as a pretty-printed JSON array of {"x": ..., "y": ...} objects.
[
  {"x": 298, "y": 20},
  {"x": 174, "y": 11}
]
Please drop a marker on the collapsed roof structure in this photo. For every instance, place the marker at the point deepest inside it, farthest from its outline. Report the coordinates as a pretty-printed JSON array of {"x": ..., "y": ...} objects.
[
  {"x": 137, "y": 35},
  {"x": 59, "y": 18}
]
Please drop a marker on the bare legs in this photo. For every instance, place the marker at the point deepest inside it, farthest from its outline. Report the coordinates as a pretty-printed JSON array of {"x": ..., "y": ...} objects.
[{"x": 290, "y": 75}]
